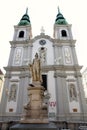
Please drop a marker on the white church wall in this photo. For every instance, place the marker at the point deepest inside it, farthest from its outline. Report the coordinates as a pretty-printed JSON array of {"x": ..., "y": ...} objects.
[
  {"x": 15, "y": 73},
  {"x": 18, "y": 54},
  {"x": 72, "y": 90},
  {"x": 51, "y": 90},
  {"x": 67, "y": 55},
  {"x": 11, "y": 107},
  {"x": 49, "y": 48},
  {"x": 74, "y": 107},
  {"x": 12, "y": 95}
]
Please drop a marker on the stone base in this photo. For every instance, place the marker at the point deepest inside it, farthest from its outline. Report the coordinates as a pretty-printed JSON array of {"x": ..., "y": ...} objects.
[
  {"x": 31, "y": 121},
  {"x": 49, "y": 126},
  {"x": 36, "y": 84}
]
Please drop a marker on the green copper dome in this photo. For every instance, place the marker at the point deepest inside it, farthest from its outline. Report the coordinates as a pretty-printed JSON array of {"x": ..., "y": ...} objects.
[
  {"x": 60, "y": 19},
  {"x": 25, "y": 20}
]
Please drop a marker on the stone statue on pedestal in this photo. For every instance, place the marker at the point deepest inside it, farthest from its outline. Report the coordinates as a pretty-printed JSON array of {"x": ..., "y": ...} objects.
[
  {"x": 35, "y": 68},
  {"x": 36, "y": 110}
]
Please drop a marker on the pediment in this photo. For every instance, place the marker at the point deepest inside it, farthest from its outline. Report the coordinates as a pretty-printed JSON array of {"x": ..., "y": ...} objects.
[{"x": 46, "y": 37}]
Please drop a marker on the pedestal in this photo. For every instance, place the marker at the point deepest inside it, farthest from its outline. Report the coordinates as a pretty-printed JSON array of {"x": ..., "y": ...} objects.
[{"x": 36, "y": 110}]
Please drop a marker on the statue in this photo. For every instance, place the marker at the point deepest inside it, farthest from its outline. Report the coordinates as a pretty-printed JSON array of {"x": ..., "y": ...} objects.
[
  {"x": 73, "y": 94},
  {"x": 35, "y": 69},
  {"x": 36, "y": 110}
]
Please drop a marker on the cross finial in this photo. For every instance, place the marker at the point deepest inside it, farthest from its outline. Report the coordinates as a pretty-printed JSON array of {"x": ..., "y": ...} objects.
[
  {"x": 58, "y": 10},
  {"x": 42, "y": 30},
  {"x": 26, "y": 10}
]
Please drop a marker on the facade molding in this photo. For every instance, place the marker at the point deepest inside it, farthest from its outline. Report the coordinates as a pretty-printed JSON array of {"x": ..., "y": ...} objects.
[{"x": 47, "y": 67}]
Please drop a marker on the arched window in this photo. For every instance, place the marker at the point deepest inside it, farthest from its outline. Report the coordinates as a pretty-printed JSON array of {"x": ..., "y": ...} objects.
[
  {"x": 21, "y": 34},
  {"x": 64, "y": 33}
]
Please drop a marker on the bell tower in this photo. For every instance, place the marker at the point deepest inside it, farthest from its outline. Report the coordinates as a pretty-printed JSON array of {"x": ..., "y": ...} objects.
[
  {"x": 64, "y": 37},
  {"x": 17, "y": 74},
  {"x": 62, "y": 30},
  {"x": 23, "y": 30},
  {"x": 69, "y": 92},
  {"x": 22, "y": 35}
]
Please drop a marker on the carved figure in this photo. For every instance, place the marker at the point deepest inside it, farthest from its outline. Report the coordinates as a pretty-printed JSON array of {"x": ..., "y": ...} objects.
[
  {"x": 35, "y": 69},
  {"x": 67, "y": 55},
  {"x": 13, "y": 92},
  {"x": 27, "y": 106},
  {"x": 73, "y": 94},
  {"x": 42, "y": 52}
]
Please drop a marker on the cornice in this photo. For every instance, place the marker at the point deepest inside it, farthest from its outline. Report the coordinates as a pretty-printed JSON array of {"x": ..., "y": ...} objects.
[
  {"x": 17, "y": 26},
  {"x": 59, "y": 71},
  {"x": 16, "y": 68},
  {"x": 58, "y": 25},
  {"x": 20, "y": 76},
  {"x": 65, "y": 41},
  {"x": 23, "y": 72},
  {"x": 45, "y": 68},
  {"x": 61, "y": 68},
  {"x": 20, "y": 42},
  {"x": 64, "y": 44},
  {"x": 56, "y": 42},
  {"x": 25, "y": 75},
  {"x": 23, "y": 43},
  {"x": 78, "y": 74},
  {"x": 60, "y": 74}
]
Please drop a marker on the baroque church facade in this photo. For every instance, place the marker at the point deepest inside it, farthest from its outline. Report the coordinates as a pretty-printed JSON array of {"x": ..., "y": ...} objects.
[{"x": 60, "y": 72}]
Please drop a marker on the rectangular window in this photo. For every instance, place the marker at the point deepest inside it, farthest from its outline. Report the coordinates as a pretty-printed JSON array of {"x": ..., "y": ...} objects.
[{"x": 44, "y": 78}]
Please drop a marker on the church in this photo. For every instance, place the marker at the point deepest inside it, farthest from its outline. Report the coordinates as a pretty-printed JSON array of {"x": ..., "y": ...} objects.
[{"x": 60, "y": 73}]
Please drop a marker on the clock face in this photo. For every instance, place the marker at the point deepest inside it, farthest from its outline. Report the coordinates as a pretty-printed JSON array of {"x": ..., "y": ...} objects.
[{"x": 42, "y": 42}]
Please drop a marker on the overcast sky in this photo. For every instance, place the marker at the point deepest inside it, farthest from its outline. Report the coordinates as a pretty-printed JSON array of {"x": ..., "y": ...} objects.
[{"x": 43, "y": 13}]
